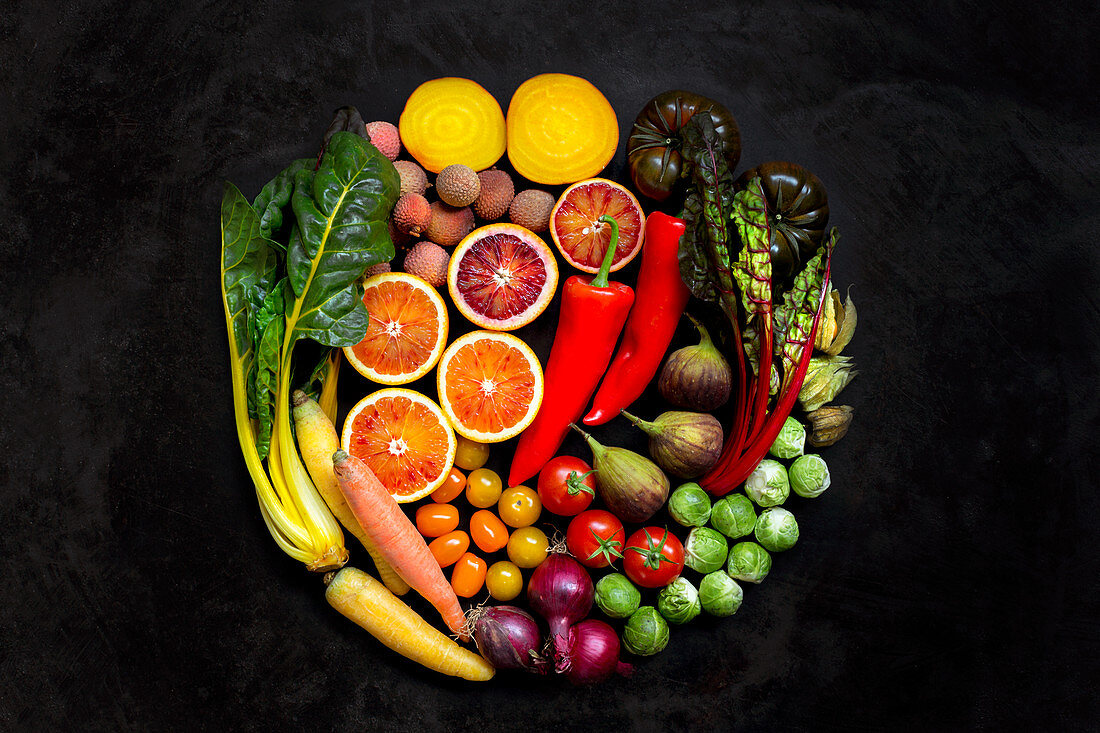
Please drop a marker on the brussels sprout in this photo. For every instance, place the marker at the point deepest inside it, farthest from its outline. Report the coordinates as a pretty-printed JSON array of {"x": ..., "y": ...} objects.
[
  {"x": 689, "y": 505},
  {"x": 705, "y": 550},
  {"x": 616, "y": 596},
  {"x": 719, "y": 594},
  {"x": 791, "y": 440},
  {"x": 768, "y": 484},
  {"x": 809, "y": 475},
  {"x": 749, "y": 562},
  {"x": 678, "y": 601},
  {"x": 733, "y": 516},
  {"x": 776, "y": 529},
  {"x": 646, "y": 632}
]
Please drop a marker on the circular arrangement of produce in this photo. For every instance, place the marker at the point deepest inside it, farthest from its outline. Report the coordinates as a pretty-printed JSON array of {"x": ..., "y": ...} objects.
[{"x": 415, "y": 253}]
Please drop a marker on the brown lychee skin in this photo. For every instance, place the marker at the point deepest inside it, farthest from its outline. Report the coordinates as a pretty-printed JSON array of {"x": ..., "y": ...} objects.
[
  {"x": 413, "y": 177},
  {"x": 531, "y": 209},
  {"x": 449, "y": 224},
  {"x": 378, "y": 269},
  {"x": 497, "y": 192},
  {"x": 411, "y": 214},
  {"x": 458, "y": 185},
  {"x": 385, "y": 137},
  {"x": 429, "y": 261}
]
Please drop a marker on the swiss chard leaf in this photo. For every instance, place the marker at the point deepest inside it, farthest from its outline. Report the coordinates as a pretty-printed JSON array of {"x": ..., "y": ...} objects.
[
  {"x": 694, "y": 264},
  {"x": 275, "y": 195},
  {"x": 805, "y": 299},
  {"x": 753, "y": 269},
  {"x": 714, "y": 187},
  {"x": 341, "y": 230},
  {"x": 249, "y": 263},
  {"x": 264, "y": 375}
]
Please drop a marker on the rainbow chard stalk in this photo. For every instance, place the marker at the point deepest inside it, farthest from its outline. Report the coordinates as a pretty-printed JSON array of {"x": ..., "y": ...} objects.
[{"x": 775, "y": 334}]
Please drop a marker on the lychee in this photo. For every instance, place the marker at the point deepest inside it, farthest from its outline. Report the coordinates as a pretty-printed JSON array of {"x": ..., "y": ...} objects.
[
  {"x": 385, "y": 137},
  {"x": 449, "y": 224},
  {"x": 413, "y": 177},
  {"x": 531, "y": 209},
  {"x": 497, "y": 192},
  {"x": 458, "y": 185},
  {"x": 429, "y": 261},
  {"x": 378, "y": 269},
  {"x": 411, "y": 213}
]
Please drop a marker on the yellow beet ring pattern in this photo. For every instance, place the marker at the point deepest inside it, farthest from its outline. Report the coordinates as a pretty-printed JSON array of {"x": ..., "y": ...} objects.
[{"x": 452, "y": 120}]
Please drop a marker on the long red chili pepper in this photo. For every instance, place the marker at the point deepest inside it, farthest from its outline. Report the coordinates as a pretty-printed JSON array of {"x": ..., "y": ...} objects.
[
  {"x": 660, "y": 302},
  {"x": 592, "y": 315}
]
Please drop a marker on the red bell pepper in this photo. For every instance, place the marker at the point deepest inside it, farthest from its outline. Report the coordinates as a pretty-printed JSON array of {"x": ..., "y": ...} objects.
[
  {"x": 592, "y": 315},
  {"x": 660, "y": 302}
]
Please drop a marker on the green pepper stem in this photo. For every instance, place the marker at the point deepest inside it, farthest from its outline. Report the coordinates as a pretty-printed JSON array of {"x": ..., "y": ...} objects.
[{"x": 600, "y": 281}]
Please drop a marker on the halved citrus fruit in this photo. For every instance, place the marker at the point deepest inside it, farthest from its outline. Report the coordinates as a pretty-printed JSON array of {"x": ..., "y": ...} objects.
[
  {"x": 580, "y": 235},
  {"x": 407, "y": 331},
  {"x": 490, "y": 386},
  {"x": 404, "y": 438},
  {"x": 502, "y": 276}
]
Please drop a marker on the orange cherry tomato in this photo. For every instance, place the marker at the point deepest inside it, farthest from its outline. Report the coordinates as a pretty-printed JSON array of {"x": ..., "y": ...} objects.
[
  {"x": 452, "y": 487},
  {"x": 519, "y": 506},
  {"x": 447, "y": 548},
  {"x": 468, "y": 575},
  {"x": 433, "y": 520},
  {"x": 488, "y": 531}
]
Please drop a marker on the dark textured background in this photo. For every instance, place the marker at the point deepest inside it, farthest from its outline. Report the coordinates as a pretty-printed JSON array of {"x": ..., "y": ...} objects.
[{"x": 947, "y": 581}]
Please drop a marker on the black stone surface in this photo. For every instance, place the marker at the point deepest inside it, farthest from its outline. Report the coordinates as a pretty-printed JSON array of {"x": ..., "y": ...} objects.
[{"x": 946, "y": 582}]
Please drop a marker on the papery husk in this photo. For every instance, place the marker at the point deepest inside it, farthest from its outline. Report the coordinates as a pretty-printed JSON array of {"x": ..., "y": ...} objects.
[
  {"x": 838, "y": 324},
  {"x": 828, "y": 425},
  {"x": 825, "y": 378}
]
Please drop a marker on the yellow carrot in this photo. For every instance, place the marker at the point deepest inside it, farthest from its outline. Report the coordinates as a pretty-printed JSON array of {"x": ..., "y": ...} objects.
[
  {"x": 317, "y": 441},
  {"x": 396, "y": 538},
  {"x": 367, "y": 602}
]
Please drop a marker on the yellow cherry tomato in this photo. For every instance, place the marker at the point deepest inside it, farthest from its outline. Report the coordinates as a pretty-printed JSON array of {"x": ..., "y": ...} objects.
[
  {"x": 519, "y": 506},
  {"x": 483, "y": 487},
  {"x": 470, "y": 455},
  {"x": 452, "y": 486},
  {"x": 433, "y": 520},
  {"x": 468, "y": 575},
  {"x": 446, "y": 549},
  {"x": 487, "y": 531},
  {"x": 527, "y": 547},
  {"x": 504, "y": 581}
]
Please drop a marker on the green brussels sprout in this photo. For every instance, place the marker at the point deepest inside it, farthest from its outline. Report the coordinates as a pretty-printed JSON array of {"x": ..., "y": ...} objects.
[
  {"x": 719, "y": 594},
  {"x": 646, "y": 632},
  {"x": 689, "y": 505},
  {"x": 776, "y": 529},
  {"x": 678, "y": 601},
  {"x": 749, "y": 562},
  {"x": 617, "y": 596},
  {"x": 809, "y": 475},
  {"x": 733, "y": 516},
  {"x": 768, "y": 484},
  {"x": 705, "y": 550},
  {"x": 791, "y": 440}
]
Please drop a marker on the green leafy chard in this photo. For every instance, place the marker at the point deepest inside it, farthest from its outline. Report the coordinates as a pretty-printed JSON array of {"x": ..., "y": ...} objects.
[
  {"x": 275, "y": 195},
  {"x": 799, "y": 308}
]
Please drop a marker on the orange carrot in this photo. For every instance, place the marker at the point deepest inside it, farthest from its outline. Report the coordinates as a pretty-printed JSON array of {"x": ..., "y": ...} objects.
[
  {"x": 396, "y": 537},
  {"x": 317, "y": 439}
]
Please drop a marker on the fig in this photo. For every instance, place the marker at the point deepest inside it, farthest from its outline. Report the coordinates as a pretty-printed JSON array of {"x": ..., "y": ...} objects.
[
  {"x": 633, "y": 487},
  {"x": 696, "y": 377},
  {"x": 686, "y": 444}
]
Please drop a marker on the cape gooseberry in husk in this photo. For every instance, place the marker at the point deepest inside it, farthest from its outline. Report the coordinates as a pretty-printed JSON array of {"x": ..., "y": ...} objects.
[
  {"x": 686, "y": 444},
  {"x": 696, "y": 377},
  {"x": 633, "y": 487}
]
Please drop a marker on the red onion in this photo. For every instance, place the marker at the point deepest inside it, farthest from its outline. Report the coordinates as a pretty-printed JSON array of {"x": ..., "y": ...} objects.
[
  {"x": 508, "y": 638},
  {"x": 592, "y": 654},
  {"x": 560, "y": 590}
]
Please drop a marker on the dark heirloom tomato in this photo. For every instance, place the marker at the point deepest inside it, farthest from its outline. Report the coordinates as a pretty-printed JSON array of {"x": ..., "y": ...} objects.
[
  {"x": 798, "y": 208},
  {"x": 653, "y": 150}
]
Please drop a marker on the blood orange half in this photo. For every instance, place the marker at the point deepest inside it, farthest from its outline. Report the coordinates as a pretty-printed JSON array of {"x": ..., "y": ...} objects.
[
  {"x": 579, "y": 234},
  {"x": 407, "y": 331},
  {"x": 404, "y": 438},
  {"x": 502, "y": 276},
  {"x": 490, "y": 386}
]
